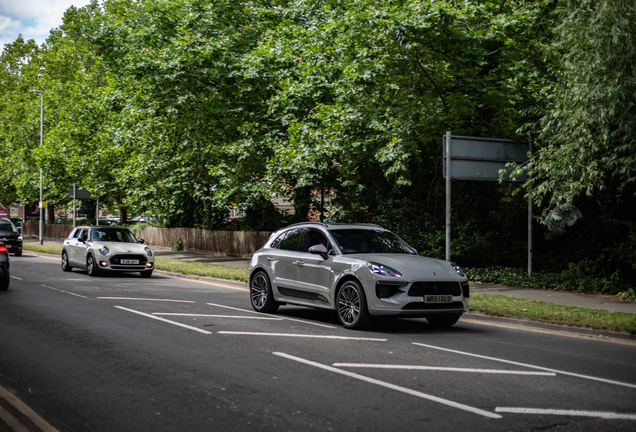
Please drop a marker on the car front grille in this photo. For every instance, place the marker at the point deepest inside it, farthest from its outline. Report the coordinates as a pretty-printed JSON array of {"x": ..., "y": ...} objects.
[
  {"x": 420, "y": 289},
  {"x": 116, "y": 259}
]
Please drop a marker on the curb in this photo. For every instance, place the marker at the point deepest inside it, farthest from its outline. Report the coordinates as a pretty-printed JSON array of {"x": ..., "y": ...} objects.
[{"x": 478, "y": 316}]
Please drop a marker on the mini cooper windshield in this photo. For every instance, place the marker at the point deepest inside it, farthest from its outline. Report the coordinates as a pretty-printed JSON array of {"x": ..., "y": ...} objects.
[
  {"x": 112, "y": 235},
  {"x": 353, "y": 241}
]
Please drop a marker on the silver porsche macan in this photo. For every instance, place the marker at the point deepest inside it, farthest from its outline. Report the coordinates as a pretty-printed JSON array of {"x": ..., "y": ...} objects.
[
  {"x": 361, "y": 271},
  {"x": 106, "y": 249}
]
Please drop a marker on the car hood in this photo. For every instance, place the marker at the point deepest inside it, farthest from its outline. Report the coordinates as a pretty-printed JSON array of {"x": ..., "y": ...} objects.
[
  {"x": 414, "y": 267},
  {"x": 120, "y": 247}
]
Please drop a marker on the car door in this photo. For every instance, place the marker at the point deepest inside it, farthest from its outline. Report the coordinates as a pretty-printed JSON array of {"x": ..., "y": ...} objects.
[
  {"x": 281, "y": 260},
  {"x": 70, "y": 245},
  {"x": 81, "y": 246},
  {"x": 314, "y": 273}
]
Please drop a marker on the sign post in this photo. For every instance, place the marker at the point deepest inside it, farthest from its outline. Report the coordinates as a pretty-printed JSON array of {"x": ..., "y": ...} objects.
[{"x": 483, "y": 159}]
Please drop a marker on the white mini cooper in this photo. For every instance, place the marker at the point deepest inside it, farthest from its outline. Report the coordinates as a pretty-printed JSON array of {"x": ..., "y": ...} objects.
[
  {"x": 361, "y": 271},
  {"x": 101, "y": 249}
]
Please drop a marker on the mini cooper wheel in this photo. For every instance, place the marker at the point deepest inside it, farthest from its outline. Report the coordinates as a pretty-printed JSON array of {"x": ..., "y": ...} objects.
[
  {"x": 351, "y": 304},
  {"x": 443, "y": 320},
  {"x": 91, "y": 266},
  {"x": 65, "y": 265},
  {"x": 261, "y": 295}
]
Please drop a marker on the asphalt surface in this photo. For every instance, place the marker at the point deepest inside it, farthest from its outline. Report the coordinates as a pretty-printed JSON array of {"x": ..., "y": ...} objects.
[{"x": 123, "y": 353}]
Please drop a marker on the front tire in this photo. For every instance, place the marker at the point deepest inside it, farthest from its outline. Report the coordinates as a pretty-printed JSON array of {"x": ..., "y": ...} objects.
[
  {"x": 91, "y": 266},
  {"x": 261, "y": 293},
  {"x": 443, "y": 320},
  {"x": 146, "y": 274},
  {"x": 351, "y": 304},
  {"x": 65, "y": 265},
  {"x": 18, "y": 254}
]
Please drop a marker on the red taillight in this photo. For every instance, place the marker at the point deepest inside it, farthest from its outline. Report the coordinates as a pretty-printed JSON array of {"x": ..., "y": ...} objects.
[{"x": 3, "y": 248}]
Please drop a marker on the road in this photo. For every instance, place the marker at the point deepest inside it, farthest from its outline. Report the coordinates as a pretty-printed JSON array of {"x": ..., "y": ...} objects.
[{"x": 122, "y": 353}]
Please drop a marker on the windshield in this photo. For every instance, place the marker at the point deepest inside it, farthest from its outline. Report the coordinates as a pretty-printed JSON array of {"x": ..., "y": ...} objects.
[
  {"x": 352, "y": 241},
  {"x": 113, "y": 235}
]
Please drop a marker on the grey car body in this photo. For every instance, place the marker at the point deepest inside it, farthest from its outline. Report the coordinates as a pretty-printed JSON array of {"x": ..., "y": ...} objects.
[
  {"x": 4, "y": 267},
  {"x": 10, "y": 236},
  {"x": 100, "y": 249},
  {"x": 361, "y": 271}
]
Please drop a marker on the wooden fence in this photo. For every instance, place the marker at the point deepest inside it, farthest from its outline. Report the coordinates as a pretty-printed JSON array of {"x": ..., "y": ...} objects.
[{"x": 223, "y": 243}]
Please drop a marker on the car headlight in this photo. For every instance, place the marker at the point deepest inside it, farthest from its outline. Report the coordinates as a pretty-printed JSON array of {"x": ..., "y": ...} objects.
[
  {"x": 383, "y": 270},
  {"x": 148, "y": 251},
  {"x": 19, "y": 238},
  {"x": 458, "y": 269},
  {"x": 103, "y": 250}
]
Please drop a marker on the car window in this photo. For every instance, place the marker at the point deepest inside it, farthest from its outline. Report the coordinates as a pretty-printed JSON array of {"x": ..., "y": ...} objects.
[
  {"x": 75, "y": 233},
  {"x": 8, "y": 226},
  {"x": 313, "y": 238},
  {"x": 84, "y": 234},
  {"x": 115, "y": 235},
  {"x": 351, "y": 241},
  {"x": 288, "y": 240}
]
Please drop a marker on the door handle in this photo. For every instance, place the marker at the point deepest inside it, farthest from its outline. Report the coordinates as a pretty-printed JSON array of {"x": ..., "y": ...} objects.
[
  {"x": 299, "y": 262},
  {"x": 271, "y": 259}
]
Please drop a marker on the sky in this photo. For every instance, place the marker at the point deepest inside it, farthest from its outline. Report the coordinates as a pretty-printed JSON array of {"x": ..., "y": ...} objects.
[{"x": 33, "y": 19}]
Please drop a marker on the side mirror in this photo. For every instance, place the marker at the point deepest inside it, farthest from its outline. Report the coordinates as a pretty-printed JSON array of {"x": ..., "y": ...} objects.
[
  {"x": 319, "y": 250},
  {"x": 141, "y": 241},
  {"x": 81, "y": 240}
]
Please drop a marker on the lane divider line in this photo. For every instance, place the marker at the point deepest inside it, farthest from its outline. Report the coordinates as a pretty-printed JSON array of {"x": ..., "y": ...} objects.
[
  {"x": 443, "y": 369},
  {"x": 148, "y": 299},
  {"x": 15, "y": 402},
  {"x": 164, "y": 320},
  {"x": 392, "y": 386},
  {"x": 301, "y": 336},
  {"x": 15, "y": 277},
  {"x": 603, "y": 380},
  {"x": 282, "y": 317},
  {"x": 216, "y": 316},
  {"x": 577, "y": 413},
  {"x": 65, "y": 292}
]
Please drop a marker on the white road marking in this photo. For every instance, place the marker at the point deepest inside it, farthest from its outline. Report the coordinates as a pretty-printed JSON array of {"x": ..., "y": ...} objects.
[
  {"x": 65, "y": 292},
  {"x": 282, "y": 317},
  {"x": 301, "y": 336},
  {"x": 216, "y": 316},
  {"x": 148, "y": 299},
  {"x": 15, "y": 277},
  {"x": 392, "y": 386},
  {"x": 599, "y": 414},
  {"x": 443, "y": 369},
  {"x": 530, "y": 366},
  {"x": 164, "y": 320}
]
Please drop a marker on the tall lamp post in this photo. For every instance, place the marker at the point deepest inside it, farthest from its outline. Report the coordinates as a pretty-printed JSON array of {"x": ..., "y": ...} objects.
[{"x": 41, "y": 140}]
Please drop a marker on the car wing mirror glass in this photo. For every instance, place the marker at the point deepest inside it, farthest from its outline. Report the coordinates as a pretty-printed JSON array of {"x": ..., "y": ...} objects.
[
  {"x": 141, "y": 241},
  {"x": 319, "y": 250}
]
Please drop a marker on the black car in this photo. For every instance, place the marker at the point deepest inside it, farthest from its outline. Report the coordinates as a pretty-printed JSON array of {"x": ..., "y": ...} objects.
[
  {"x": 10, "y": 236},
  {"x": 4, "y": 267}
]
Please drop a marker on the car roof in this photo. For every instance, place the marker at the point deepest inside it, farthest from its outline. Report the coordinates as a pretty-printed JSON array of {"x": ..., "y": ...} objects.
[{"x": 332, "y": 225}]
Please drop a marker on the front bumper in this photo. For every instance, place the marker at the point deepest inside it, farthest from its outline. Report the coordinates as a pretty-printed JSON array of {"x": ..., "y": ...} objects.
[
  {"x": 407, "y": 299},
  {"x": 121, "y": 263}
]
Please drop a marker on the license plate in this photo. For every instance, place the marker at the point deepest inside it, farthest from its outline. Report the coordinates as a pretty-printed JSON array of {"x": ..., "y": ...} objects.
[
  {"x": 438, "y": 299},
  {"x": 130, "y": 261}
]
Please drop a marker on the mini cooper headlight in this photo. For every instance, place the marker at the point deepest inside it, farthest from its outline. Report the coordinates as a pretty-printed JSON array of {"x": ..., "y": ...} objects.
[
  {"x": 148, "y": 251},
  {"x": 103, "y": 250},
  {"x": 383, "y": 270}
]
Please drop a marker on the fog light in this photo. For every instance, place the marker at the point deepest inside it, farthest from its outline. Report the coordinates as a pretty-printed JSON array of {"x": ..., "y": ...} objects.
[
  {"x": 103, "y": 263},
  {"x": 148, "y": 264}
]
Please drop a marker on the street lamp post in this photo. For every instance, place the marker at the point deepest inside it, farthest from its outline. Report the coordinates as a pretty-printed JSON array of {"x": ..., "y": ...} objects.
[{"x": 41, "y": 141}]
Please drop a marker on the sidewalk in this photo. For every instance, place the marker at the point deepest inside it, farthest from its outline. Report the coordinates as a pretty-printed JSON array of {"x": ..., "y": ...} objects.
[{"x": 568, "y": 298}]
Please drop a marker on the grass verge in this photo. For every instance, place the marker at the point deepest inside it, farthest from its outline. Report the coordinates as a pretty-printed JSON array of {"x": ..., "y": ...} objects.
[
  {"x": 535, "y": 310},
  {"x": 495, "y": 305}
]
